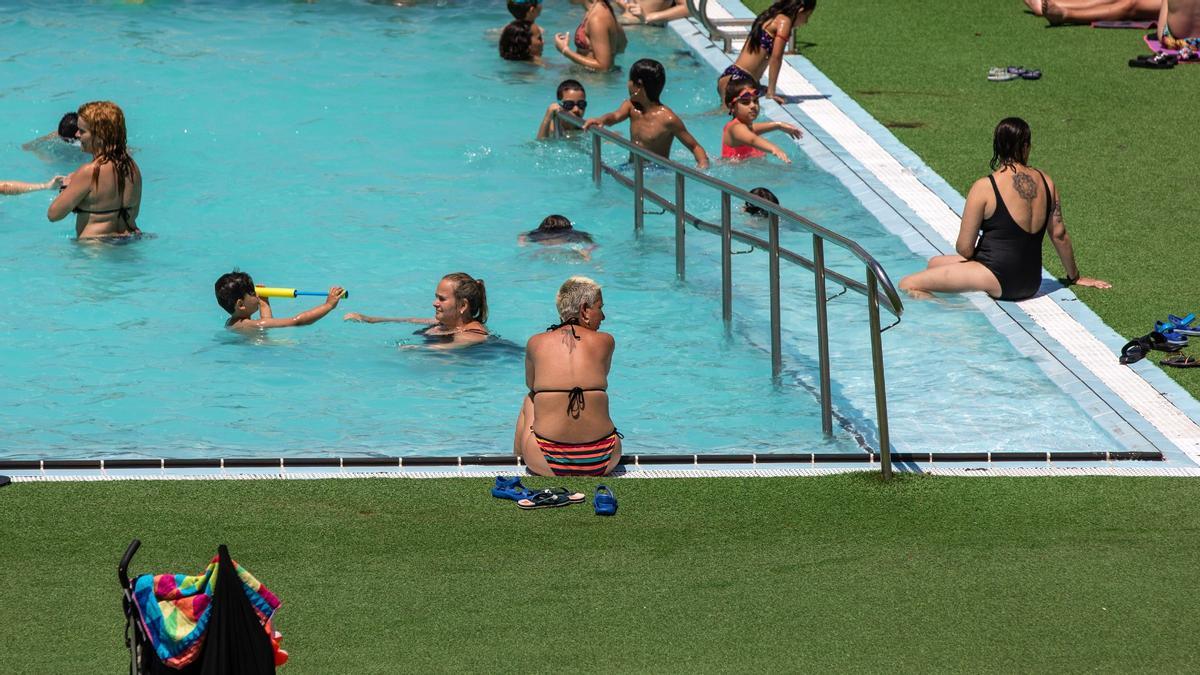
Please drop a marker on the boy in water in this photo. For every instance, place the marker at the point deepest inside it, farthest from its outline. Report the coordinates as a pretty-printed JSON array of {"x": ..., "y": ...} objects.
[
  {"x": 572, "y": 99},
  {"x": 525, "y": 10},
  {"x": 652, "y": 125},
  {"x": 556, "y": 230},
  {"x": 236, "y": 295}
]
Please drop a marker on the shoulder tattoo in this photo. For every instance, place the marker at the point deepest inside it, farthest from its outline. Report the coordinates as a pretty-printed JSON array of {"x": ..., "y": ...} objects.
[{"x": 1025, "y": 186}]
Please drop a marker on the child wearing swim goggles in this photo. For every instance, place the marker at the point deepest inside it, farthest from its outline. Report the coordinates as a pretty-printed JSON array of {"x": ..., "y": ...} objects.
[
  {"x": 741, "y": 138},
  {"x": 572, "y": 99}
]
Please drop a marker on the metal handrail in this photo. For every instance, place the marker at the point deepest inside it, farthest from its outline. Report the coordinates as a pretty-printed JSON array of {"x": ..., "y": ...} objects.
[{"x": 877, "y": 288}]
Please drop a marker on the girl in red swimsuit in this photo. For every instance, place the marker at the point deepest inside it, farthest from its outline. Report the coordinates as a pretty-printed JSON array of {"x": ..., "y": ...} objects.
[{"x": 741, "y": 137}]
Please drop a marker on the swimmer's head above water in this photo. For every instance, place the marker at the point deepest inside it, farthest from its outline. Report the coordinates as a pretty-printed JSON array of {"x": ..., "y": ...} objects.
[
  {"x": 579, "y": 301},
  {"x": 647, "y": 77},
  {"x": 765, "y": 194},
  {"x": 68, "y": 127},
  {"x": 235, "y": 293},
  {"x": 459, "y": 299},
  {"x": 525, "y": 10},
  {"x": 521, "y": 41},
  {"x": 571, "y": 97}
]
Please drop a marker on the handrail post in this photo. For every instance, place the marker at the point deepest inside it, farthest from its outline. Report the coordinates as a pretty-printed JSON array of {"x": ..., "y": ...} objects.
[
  {"x": 776, "y": 329},
  {"x": 823, "y": 335},
  {"x": 639, "y": 204},
  {"x": 680, "y": 233},
  {"x": 885, "y": 452},
  {"x": 726, "y": 262},
  {"x": 596, "y": 158}
]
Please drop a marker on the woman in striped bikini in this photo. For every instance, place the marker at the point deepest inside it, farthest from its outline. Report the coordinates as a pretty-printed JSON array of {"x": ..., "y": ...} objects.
[{"x": 563, "y": 428}]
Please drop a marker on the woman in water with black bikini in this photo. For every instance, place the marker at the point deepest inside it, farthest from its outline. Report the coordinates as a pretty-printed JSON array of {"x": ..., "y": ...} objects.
[
  {"x": 598, "y": 39},
  {"x": 768, "y": 38},
  {"x": 106, "y": 193},
  {"x": 459, "y": 314},
  {"x": 1012, "y": 208},
  {"x": 566, "y": 371}
]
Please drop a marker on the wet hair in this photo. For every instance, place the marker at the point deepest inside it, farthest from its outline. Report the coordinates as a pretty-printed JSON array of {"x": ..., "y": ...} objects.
[
  {"x": 765, "y": 194},
  {"x": 232, "y": 287},
  {"x": 735, "y": 87},
  {"x": 574, "y": 294},
  {"x": 569, "y": 85},
  {"x": 68, "y": 126},
  {"x": 520, "y": 9},
  {"x": 788, "y": 8},
  {"x": 467, "y": 287},
  {"x": 516, "y": 41},
  {"x": 1010, "y": 143},
  {"x": 107, "y": 127},
  {"x": 554, "y": 222},
  {"x": 650, "y": 75}
]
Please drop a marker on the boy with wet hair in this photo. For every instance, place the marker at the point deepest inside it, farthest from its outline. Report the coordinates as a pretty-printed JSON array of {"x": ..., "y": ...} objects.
[
  {"x": 572, "y": 99},
  {"x": 652, "y": 125},
  {"x": 236, "y": 295}
]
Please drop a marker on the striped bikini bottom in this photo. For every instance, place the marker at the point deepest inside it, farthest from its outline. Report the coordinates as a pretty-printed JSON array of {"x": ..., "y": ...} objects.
[{"x": 579, "y": 459}]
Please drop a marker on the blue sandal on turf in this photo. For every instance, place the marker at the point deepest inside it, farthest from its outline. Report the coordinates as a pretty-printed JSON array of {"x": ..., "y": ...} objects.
[
  {"x": 509, "y": 487},
  {"x": 1172, "y": 335},
  {"x": 604, "y": 501},
  {"x": 1183, "y": 324}
]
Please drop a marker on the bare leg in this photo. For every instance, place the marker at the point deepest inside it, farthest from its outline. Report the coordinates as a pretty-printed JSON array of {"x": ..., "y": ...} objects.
[
  {"x": 525, "y": 445},
  {"x": 615, "y": 460},
  {"x": 961, "y": 278},
  {"x": 1087, "y": 11},
  {"x": 939, "y": 260}
]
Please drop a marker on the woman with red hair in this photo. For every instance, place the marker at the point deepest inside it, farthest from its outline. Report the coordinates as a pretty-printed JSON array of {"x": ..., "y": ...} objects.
[{"x": 106, "y": 193}]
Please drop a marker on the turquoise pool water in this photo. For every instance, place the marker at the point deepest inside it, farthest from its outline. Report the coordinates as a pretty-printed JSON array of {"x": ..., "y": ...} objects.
[{"x": 380, "y": 147}]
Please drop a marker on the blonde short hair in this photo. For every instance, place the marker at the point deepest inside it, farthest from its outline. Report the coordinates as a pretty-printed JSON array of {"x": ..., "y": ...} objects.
[{"x": 574, "y": 294}]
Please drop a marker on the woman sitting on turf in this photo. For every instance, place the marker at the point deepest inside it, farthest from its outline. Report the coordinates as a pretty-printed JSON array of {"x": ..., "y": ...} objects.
[
  {"x": 598, "y": 39},
  {"x": 106, "y": 193},
  {"x": 566, "y": 371},
  {"x": 768, "y": 38},
  {"x": 1179, "y": 24},
  {"x": 1013, "y": 208},
  {"x": 459, "y": 314}
]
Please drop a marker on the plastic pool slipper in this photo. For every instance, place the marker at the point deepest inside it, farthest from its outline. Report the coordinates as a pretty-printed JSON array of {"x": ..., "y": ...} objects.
[
  {"x": 1001, "y": 75},
  {"x": 604, "y": 501},
  {"x": 1025, "y": 73},
  {"x": 1134, "y": 351},
  {"x": 574, "y": 497},
  {"x": 509, "y": 487},
  {"x": 1160, "y": 60},
  {"x": 1183, "y": 324},
  {"x": 1170, "y": 335},
  {"x": 1181, "y": 361},
  {"x": 545, "y": 499}
]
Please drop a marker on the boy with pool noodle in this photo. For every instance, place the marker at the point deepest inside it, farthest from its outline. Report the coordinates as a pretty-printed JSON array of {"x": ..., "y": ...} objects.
[{"x": 236, "y": 295}]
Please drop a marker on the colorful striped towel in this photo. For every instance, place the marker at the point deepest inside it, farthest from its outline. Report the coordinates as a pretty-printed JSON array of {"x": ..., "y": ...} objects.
[{"x": 175, "y": 609}]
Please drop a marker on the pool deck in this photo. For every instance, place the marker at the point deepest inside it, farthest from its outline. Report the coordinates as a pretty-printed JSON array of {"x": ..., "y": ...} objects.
[{"x": 1138, "y": 405}]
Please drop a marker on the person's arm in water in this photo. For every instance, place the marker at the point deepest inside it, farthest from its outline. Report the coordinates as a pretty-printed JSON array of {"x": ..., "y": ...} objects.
[
  {"x": 78, "y": 186},
  {"x": 677, "y": 127},
  {"x": 39, "y": 141},
  {"x": 304, "y": 318},
  {"x": 549, "y": 123},
  {"x": 743, "y": 135},
  {"x": 782, "y": 36},
  {"x": 16, "y": 187},
  {"x": 1062, "y": 244},
  {"x": 363, "y": 318},
  {"x": 608, "y": 119},
  {"x": 972, "y": 218}
]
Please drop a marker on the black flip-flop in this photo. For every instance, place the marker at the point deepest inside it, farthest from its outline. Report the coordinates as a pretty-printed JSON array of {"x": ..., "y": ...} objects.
[
  {"x": 1134, "y": 351},
  {"x": 1159, "y": 61},
  {"x": 545, "y": 499},
  {"x": 1181, "y": 361}
]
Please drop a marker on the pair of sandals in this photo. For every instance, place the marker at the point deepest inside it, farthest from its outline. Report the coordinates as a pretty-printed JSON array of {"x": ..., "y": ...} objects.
[
  {"x": 510, "y": 487},
  {"x": 1168, "y": 336},
  {"x": 1157, "y": 61}
]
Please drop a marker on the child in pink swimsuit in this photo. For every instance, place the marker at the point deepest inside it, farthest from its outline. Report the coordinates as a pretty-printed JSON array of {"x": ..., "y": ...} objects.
[{"x": 741, "y": 139}]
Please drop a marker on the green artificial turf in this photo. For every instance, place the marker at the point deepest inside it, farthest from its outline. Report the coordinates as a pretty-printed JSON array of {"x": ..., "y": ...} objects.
[
  {"x": 1123, "y": 144},
  {"x": 837, "y": 573}
]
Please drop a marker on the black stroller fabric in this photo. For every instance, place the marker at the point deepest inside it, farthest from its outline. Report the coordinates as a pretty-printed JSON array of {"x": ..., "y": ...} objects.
[{"x": 236, "y": 643}]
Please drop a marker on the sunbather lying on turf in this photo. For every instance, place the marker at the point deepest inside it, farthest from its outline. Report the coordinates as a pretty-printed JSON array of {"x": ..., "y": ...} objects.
[
  {"x": 1179, "y": 24},
  {"x": 1086, "y": 11},
  {"x": 1013, "y": 208},
  {"x": 566, "y": 371}
]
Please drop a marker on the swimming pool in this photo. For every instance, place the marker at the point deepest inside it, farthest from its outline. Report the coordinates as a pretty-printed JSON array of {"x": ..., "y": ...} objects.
[{"x": 358, "y": 144}]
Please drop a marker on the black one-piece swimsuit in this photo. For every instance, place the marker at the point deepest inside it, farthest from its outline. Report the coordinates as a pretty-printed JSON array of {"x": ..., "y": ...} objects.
[{"x": 1012, "y": 254}]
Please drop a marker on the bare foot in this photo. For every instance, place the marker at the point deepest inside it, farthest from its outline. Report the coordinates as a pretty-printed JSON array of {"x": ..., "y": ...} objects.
[{"x": 1034, "y": 6}]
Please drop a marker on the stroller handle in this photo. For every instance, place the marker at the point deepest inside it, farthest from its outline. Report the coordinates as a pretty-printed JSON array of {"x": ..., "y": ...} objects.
[{"x": 123, "y": 568}]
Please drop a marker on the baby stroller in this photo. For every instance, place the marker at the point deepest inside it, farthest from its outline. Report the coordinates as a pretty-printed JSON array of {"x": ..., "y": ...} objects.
[{"x": 213, "y": 623}]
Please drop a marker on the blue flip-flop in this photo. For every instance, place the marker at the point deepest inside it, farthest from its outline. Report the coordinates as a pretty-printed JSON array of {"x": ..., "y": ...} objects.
[
  {"x": 604, "y": 501},
  {"x": 1183, "y": 324},
  {"x": 509, "y": 487}
]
